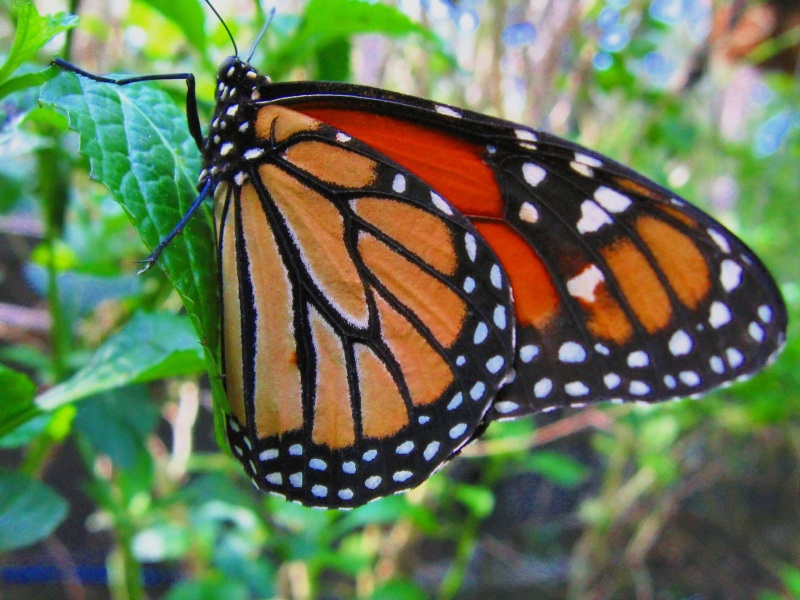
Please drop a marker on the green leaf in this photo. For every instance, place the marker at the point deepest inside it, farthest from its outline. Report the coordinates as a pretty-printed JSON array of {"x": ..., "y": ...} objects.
[
  {"x": 386, "y": 510},
  {"x": 557, "y": 468},
  {"x": 138, "y": 145},
  {"x": 53, "y": 427},
  {"x": 23, "y": 82},
  {"x": 117, "y": 424},
  {"x": 479, "y": 500},
  {"x": 398, "y": 589},
  {"x": 17, "y": 405},
  {"x": 791, "y": 579},
  {"x": 189, "y": 16},
  {"x": 211, "y": 587},
  {"x": 29, "y": 510},
  {"x": 33, "y": 32},
  {"x": 151, "y": 346},
  {"x": 327, "y": 21}
]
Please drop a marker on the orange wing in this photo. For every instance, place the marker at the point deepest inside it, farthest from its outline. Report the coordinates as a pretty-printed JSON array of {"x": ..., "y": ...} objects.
[
  {"x": 367, "y": 325},
  {"x": 622, "y": 291}
]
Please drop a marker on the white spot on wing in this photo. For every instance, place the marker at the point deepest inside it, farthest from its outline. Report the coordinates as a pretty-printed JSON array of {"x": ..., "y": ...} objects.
[
  {"x": 405, "y": 448},
  {"x": 481, "y": 333},
  {"x": 456, "y": 401},
  {"x": 528, "y": 213},
  {"x": 431, "y": 450},
  {"x": 592, "y": 217},
  {"x": 441, "y": 204},
  {"x": 680, "y": 343},
  {"x": 270, "y": 454},
  {"x": 471, "y": 246},
  {"x": 494, "y": 364},
  {"x": 500, "y": 316},
  {"x": 528, "y": 353},
  {"x": 581, "y": 169},
  {"x": 253, "y": 153},
  {"x": 576, "y": 388},
  {"x": 719, "y": 314},
  {"x": 399, "y": 183},
  {"x": 690, "y": 378},
  {"x": 731, "y": 275},
  {"x": 720, "y": 240},
  {"x": 612, "y": 200},
  {"x": 477, "y": 391},
  {"x": 584, "y": 284},
  {"x": 496, "y": 276},
  {"x": 756, "y": 331},
  {"x": 765, "y": 313},
  {"x": 320, "y": 491},
  {"x": 735, "y": 357},
  {"x": 225, "y": 149},
  {"x": 571, "y": 352},
  {"x": 638, "y": 359},
  {"x": 448, "y": 111},
  {"x": 589, "y": 161},
  {"x": 533, "y": 174},
  {"x": 717, "y": 365},
  {"x": 525, "y": 135},
  {"x": 612, "y": 380},
  {"x": 457, "y": 431},
  {"x": 543, "y": 387},
  {"x": 505, "y": 407}
]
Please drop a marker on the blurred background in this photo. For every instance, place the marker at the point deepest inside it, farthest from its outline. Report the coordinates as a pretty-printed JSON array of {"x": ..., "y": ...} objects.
[{"x": 125, "y": 494}]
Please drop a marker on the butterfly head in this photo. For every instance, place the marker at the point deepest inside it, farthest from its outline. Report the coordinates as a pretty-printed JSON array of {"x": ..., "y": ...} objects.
[{"x": 232, "y": 131}]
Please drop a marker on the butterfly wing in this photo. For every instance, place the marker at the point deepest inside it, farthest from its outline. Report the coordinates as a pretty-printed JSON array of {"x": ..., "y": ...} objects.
[
  {"x": 622, "y": 290},
  {"x": 367, "y": 325}
]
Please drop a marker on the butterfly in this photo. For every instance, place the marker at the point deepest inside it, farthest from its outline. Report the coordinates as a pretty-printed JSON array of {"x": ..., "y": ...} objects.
[{"x": 397, "y": 273}]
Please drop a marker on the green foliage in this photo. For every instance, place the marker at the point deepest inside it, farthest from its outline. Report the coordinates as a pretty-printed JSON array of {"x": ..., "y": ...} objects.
[
  {"x": 29, "y": 510},
  {"x": 151, "y": 346},
  {"x": 32, "y": 33}
]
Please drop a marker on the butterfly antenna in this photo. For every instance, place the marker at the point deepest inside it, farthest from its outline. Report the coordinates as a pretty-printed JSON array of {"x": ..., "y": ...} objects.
[
  {"x": 228, "y": 31},
  {"x": 260, "y": 35}
]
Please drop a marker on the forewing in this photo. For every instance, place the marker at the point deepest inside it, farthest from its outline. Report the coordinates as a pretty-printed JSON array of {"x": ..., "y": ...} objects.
[{"x": 622, "y": 290}]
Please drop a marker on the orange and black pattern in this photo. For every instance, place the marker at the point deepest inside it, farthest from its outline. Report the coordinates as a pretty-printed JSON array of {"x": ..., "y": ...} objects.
[
  {"x": 368, "y": 242},
  {"x": 367, "y": 325}
]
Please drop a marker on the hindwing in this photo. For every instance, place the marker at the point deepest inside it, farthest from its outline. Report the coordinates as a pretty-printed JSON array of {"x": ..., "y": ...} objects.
[{"x": 367, "y": 325}]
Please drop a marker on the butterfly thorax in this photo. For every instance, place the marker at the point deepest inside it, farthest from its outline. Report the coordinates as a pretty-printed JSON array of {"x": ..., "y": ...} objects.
[{"x": 232, "y": 131}]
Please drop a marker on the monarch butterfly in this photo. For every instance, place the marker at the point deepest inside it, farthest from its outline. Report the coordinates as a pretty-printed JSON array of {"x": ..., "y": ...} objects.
[{"x": 397, "y": 273}]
